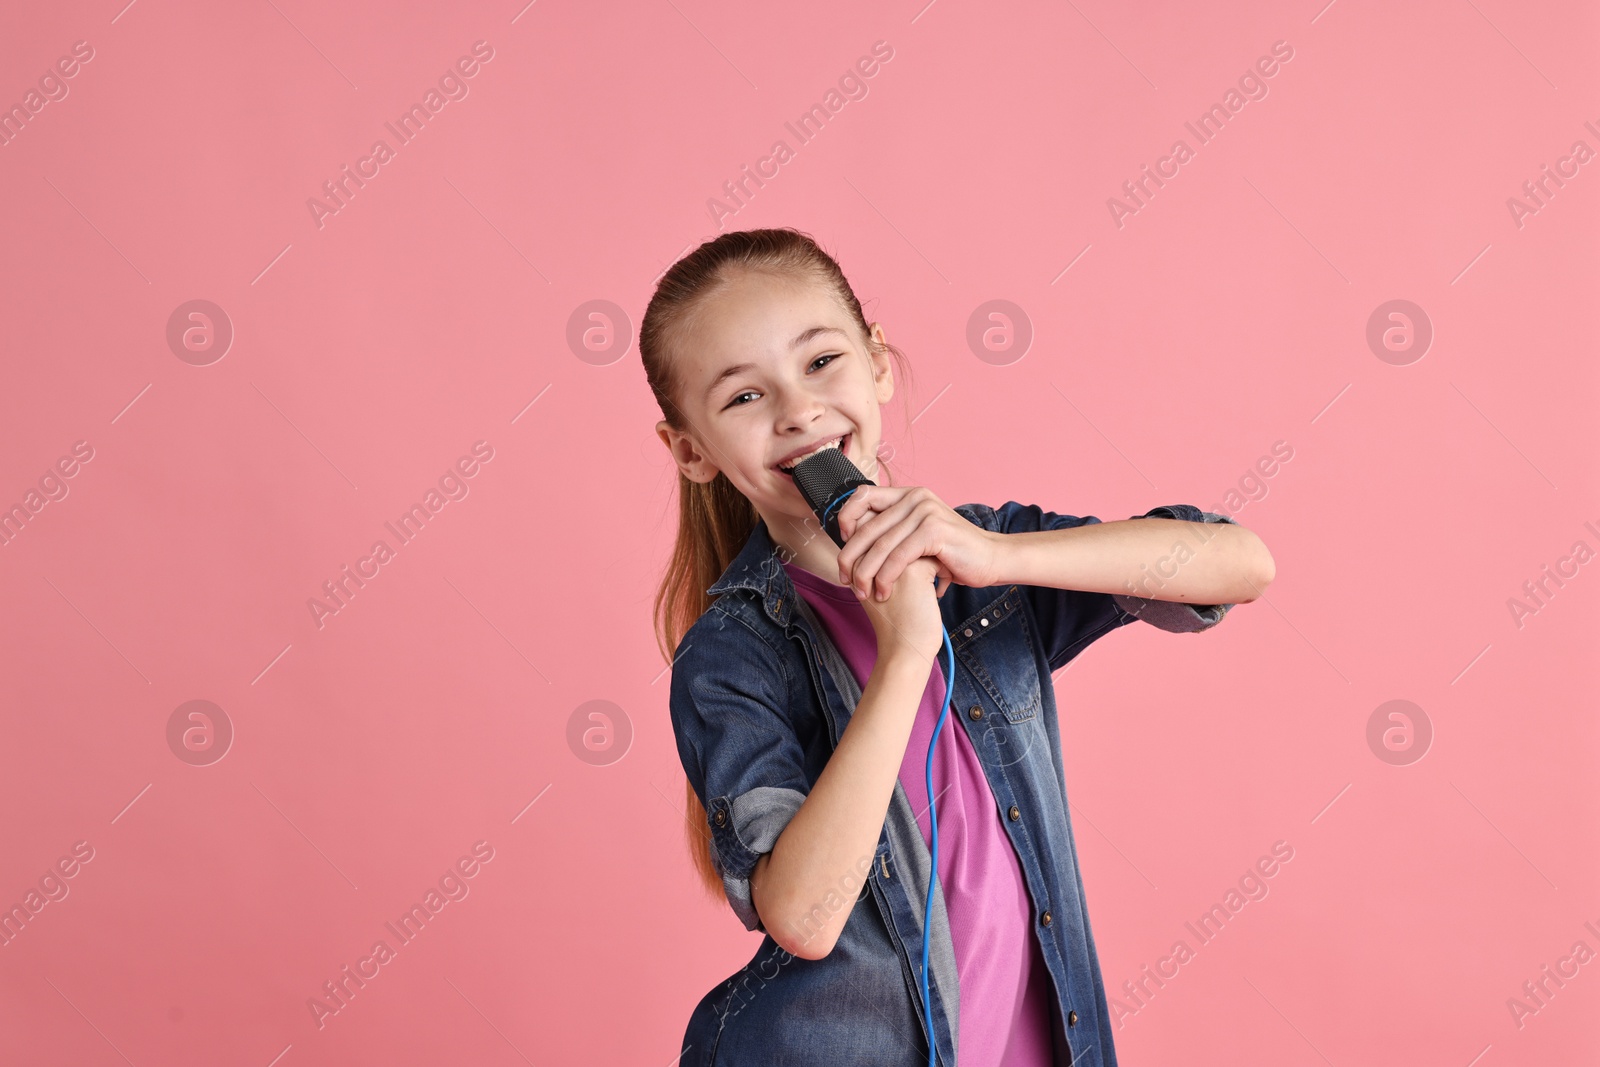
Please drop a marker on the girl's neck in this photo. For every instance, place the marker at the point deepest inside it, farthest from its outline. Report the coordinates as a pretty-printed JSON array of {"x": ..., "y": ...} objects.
[{"x": 804, "y": 544}]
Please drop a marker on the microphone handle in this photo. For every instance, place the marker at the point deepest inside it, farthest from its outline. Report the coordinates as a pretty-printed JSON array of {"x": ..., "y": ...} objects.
[{"x": 830, "y": 514}]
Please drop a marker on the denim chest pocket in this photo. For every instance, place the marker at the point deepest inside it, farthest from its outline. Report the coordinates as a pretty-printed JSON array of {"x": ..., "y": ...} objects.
[{"x": 994, "y": 644}]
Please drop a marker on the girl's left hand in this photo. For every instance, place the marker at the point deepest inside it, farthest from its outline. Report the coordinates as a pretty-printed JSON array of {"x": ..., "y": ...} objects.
[{"x": 886, "y": 527}]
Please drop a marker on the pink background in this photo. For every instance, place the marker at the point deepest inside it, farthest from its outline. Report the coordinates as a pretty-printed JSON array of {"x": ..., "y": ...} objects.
[{"x": 431, "y": 712}]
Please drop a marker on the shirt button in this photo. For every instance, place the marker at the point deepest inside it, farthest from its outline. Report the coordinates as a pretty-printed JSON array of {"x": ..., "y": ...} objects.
[
  {"x": 720, "y": 817},
  {"x": 968, "y": 632},
  {"x": 1072, "y": 1018},
  {"x": 1045, "y": 918},
  {"x": 1014, "y": 813},
  {"x": 975, "y": 712}
]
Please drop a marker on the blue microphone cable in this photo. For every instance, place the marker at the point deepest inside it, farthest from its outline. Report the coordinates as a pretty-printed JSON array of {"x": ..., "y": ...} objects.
[
  {"x": 933, "y": 820},
  {"x": 826, "y": 514}
]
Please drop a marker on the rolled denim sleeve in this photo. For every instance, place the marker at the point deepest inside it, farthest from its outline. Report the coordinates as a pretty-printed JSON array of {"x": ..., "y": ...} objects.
[
  {"x": 738, "y": 747},
  {"x": 1172, "y": 615}
]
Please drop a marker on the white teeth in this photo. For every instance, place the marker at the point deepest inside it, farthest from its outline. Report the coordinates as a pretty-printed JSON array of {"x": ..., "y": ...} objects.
[{"x": 791, "y": 464}]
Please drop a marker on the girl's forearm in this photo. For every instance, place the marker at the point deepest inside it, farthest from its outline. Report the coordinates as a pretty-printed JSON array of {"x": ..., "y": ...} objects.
[
  {"x": 805, "y": 888},
  {"x": 1159, "y": 559}
]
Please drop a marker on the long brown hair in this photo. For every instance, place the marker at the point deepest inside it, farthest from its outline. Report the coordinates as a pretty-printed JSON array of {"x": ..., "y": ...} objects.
[{"x": 714, "y": 518}]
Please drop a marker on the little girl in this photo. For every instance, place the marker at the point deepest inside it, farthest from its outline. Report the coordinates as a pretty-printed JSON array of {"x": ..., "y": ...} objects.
[{"x": 807, "y": 680}]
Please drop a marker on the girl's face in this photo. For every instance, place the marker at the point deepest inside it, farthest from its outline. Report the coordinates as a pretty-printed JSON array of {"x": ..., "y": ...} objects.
[{"x": 767, "y": 367}]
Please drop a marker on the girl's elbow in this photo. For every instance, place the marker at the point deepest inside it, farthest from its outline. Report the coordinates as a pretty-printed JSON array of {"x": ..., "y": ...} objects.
[
  {"x": 809, "y": 936},
  {"x": 802, "y": 934},
  {"x": 1261, "y": 574},
  {"x": 815, "y": 947},
  {"x": 1267, "y": 571}
]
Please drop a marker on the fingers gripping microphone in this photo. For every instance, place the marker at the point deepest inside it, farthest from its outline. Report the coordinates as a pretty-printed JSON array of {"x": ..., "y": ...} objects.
[{"x": 826, "y": 479}]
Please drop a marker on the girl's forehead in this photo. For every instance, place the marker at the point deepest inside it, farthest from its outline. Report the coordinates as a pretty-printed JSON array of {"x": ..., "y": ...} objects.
[{"x": 764, "y": 311}]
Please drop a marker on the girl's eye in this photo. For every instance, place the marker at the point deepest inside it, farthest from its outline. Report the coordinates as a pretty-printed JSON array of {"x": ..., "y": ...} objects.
[{"x": 830, "y": 357}]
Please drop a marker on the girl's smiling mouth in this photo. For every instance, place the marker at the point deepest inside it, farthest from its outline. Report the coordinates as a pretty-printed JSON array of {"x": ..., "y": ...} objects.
[{"x": 843, "y": 446}]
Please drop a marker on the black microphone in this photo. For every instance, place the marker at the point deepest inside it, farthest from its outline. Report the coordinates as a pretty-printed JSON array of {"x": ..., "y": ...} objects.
[{"x": 826, "y": 479}]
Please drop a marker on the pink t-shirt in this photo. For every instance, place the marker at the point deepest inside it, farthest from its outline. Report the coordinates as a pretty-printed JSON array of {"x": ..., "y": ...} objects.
[{"x": 1005, "y": 987}]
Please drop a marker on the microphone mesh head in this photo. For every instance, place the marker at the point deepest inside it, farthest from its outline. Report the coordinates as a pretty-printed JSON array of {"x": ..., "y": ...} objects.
[{"x": 823, "y": 477}]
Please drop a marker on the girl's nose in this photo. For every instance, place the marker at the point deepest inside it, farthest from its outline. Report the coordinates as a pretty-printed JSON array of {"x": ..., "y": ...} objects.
[{"x": 799, "y": 410}]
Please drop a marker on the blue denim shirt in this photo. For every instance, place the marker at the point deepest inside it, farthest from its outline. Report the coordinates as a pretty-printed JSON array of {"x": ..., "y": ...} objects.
[{"x": 760, "y": 697}]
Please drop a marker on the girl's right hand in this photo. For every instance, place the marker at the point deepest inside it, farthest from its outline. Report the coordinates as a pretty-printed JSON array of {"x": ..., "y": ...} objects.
[{"x": 909, "y": 620}]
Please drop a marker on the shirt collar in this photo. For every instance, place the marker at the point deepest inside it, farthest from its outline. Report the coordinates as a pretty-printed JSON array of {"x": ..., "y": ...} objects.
[{"x": 758, "y": 569}]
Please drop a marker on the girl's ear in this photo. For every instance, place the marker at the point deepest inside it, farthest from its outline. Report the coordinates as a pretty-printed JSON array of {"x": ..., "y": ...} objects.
[
  {"x": 686, "y": 454},
  {"x": 882, "y": 369}
]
